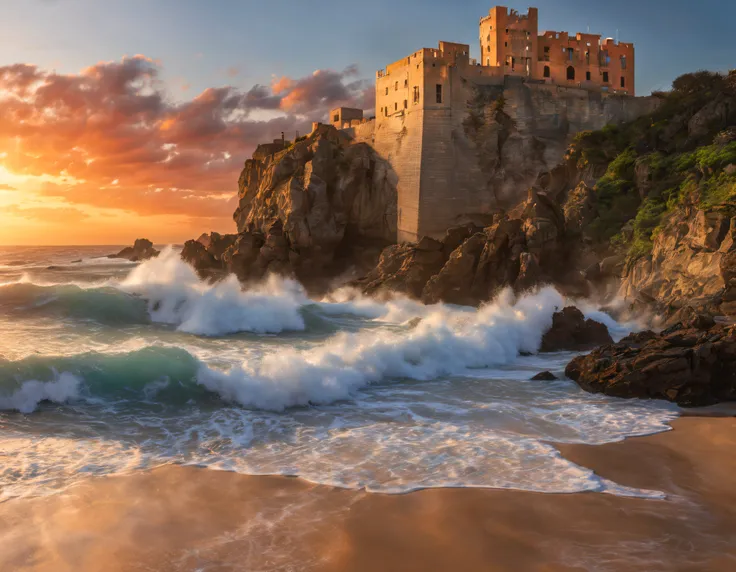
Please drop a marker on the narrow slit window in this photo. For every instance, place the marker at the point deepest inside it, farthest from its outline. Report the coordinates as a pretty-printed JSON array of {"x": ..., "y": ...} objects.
[{"x": 439, "y": 93}]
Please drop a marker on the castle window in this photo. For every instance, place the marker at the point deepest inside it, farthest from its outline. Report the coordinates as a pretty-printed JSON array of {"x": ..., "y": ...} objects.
[
  {"x": 489, "y": 48},
  {"x": 406, "y": 104},
  {"x": 406, "y": 83},
  {"x": 623, "y": 81},
  {"x": 587, "y": 76},
  {"x": 570, "y": 73},
  {"x": 587, "y": 57},
  {"x": 396, "y": 106},
  {"x": 336, "y": 118},
  {"x": 570, "y": 52},
  {"x": 386, "y": 91},
  {"x": 396, "y": 87},
  {"x": 546, "y": 71},
  {"x": 506, "y": 44},
  {"x": 623, "y": 62},
  {"x": 416, "y": 94},
  {"x": 546, "y": 53},
  {"x": 488, "y": 38},
  {"x": 605, "y": 77},
  {"x": 439, "y": 93},
  {"x": 488, "y": 61}
]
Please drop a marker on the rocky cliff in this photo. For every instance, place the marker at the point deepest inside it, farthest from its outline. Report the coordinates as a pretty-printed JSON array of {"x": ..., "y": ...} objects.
[
  {"x": 644, "y": 208},
  {"x": 311, "y": 210}
]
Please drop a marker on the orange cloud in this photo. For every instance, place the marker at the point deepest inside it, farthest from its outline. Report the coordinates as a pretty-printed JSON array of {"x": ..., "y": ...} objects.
[
  {"x": 114, "y": 121},
  {"x": 63, "y": 215}
]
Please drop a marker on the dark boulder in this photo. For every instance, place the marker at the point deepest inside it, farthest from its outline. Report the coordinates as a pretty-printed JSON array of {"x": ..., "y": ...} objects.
[
  {"x": 142, "y": 249},
  {"x": 692, "y": 367},
  {"x": 545, "y": 376},
  {"x": 195, "y": 253},
  {"x": 570, "y": 331}
]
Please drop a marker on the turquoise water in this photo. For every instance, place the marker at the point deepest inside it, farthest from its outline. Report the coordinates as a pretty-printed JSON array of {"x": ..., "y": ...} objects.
[{"x": 109, "y": 367}]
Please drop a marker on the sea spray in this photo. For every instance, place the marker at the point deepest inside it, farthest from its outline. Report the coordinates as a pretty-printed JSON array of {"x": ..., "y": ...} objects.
[
  {"x": 406, "y": 396},
  {"x": 27, "y": 397},
  {"x": 444, "y": 342},
  {"x": 176, "y": 295}
]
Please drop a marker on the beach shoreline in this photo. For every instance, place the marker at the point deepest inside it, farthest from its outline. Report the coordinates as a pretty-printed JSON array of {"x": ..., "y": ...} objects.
[{"x": 188, "y": 518}]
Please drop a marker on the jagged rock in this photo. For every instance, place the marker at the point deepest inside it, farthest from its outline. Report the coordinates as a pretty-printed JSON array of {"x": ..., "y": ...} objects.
[
  {"x": 544, "y": 376},
  {"x": 454, "y": 281},
  {"x": 142, "y": 249},
  {"x": 429, "y": 245},
  {"x": 687, "y": 264},
  {"x": 499, "y": 263},
  {"x": 530, "y": 274},
  {"x": 613, "y": 265},
  {"x": 579, "y": 209},
  {"x": 402, "y": 268},
  {"x": 570, "y": 331},
  {"x": 692, "y": 367},
  {"x": 456, "y": 235},
  {"x": 219, "y": 243},
  {"x": 329, "y": 196},
  {"x": 195, "y": 254},
  {"x": 241, "y": 256}
]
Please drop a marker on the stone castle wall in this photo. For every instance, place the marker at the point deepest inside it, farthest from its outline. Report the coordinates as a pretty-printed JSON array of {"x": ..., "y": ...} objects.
[{"x": 446, "y": 175}]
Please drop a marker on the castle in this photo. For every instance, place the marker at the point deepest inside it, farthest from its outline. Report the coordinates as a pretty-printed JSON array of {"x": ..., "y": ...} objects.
[{"x": 550, "y": 86}]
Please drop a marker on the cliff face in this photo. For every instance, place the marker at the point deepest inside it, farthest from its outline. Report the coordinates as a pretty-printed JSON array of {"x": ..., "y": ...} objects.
[
  {"x": 313, "y": 208},
  {"x": 484, "y": 146},
  {"x": 646, "y": 208},
  {"x": 667, "y": 199}
]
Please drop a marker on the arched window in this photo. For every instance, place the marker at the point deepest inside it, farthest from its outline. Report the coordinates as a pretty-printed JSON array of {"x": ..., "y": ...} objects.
[
  {"x": 571, "y": 73},
  {"x": 546, "y": 71}
]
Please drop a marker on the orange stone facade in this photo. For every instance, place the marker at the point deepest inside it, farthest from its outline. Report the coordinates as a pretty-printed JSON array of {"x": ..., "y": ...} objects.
[{"x": 511, "y": 41}]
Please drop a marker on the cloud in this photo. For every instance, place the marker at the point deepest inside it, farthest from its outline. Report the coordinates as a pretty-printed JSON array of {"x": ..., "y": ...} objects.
[
  {"x": 61, "y": 215},
  {"x": 114, "y": 121},
  {"x": 4, "y": 187}
]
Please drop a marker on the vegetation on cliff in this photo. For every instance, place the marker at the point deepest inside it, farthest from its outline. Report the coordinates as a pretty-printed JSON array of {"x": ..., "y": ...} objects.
[{"x": 682, "y": 155}]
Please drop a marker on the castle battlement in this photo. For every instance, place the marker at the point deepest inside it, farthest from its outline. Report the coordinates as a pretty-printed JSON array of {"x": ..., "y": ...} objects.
[{"x": 466, "y": 137}]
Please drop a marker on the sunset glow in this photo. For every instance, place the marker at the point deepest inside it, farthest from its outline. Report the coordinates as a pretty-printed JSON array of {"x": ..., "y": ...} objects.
[{"x": 105, "y": 155}]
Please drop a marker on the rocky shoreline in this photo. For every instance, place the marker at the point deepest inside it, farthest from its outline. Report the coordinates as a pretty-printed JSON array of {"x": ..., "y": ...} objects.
[{"x": 644, "y": 212}]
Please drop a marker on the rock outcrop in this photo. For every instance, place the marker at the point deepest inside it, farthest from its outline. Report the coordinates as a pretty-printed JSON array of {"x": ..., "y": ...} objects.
[
  {"x": 570, "y": 331},
  {"x": 692, "y": 262},
  {"x": 471, "y": 264},
  {"x": 312, "y": 209},
  {"x": 142, "y": 249},
  {"x": 688, "y": 365}
]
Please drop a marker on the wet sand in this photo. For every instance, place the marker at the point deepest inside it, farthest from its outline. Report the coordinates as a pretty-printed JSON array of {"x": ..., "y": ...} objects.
[{"x": 184, "y": 518}]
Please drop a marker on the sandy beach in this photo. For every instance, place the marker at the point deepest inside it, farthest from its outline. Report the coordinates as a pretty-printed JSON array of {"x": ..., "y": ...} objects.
[{"x": 186, "y": 518}]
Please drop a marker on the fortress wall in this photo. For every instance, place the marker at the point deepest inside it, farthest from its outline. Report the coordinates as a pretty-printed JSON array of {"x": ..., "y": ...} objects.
[
  {"x": 442, "y": 177},
  {"x": 364, "y": 132},
  {"x": 398, "y": 139},
  {"x": 453, "y": 187}
]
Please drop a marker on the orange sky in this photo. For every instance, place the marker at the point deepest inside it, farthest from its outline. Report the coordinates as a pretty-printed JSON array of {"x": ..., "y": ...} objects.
[{"x": 104, "y": 156}]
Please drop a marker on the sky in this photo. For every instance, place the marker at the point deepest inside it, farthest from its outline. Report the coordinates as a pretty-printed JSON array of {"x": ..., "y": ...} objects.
[{"x": 132, "y": 118}]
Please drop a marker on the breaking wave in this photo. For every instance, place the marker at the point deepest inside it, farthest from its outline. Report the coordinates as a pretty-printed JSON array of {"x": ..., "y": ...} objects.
[{"x": 443, "y": 342}]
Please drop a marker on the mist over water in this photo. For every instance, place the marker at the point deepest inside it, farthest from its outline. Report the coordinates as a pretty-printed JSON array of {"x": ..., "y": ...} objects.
[{"x": 110, "y": 367}]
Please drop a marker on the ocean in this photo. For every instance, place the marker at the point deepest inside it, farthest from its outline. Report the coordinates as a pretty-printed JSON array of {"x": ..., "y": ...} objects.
[{"x": 110, "y": 367}]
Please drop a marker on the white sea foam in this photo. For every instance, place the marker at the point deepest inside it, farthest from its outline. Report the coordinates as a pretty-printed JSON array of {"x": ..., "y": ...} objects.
[
  {"x": 177, "y": 296},
  {"x": 32, "y": 392},
  {"x": 444, "y": 342}
]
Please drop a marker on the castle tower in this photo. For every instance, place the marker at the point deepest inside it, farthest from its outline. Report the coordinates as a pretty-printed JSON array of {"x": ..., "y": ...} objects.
[{"x": 509, "y": 40}]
